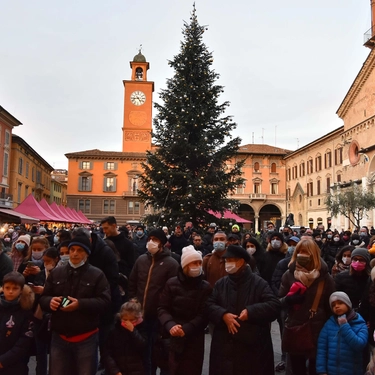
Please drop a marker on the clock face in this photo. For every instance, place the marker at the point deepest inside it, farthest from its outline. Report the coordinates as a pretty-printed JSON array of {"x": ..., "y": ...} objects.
[{"x": 137, "y": 97}]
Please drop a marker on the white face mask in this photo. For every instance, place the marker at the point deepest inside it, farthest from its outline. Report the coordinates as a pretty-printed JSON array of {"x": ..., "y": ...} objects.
[
  {"x": 346, "y": 260},
  {"x": 195, "y": 271},
  {"x": 49, "y": 267},
  {"x": 80, "y": 264},
  {"x": 152, "y": 247},
  {"x": 251, "y": 250},
  {"x": 37, "y": 255},
  {"x": 231, "y": 267},
  {"x": 64, "y": 258}
]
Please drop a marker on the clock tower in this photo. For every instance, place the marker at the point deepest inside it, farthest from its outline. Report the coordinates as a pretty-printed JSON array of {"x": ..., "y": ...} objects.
[{"x": 137, "y": 108}]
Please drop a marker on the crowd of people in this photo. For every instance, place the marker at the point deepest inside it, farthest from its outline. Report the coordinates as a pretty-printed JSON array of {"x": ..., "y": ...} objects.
[{"x": 131, "y": 299}]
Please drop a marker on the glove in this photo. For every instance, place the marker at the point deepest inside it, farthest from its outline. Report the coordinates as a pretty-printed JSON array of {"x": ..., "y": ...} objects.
[
  {"x": 295, "y": 299},
  {"x": 342, "y": 319}
]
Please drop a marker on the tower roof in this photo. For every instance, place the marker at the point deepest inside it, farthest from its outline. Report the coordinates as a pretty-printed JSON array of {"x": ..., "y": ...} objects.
[{"x": 139, "y": 57}]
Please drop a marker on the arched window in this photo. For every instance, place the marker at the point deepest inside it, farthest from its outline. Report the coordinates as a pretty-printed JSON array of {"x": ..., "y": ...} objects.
[
  {"x": 256, "y": 167},
  {"x": 273, "y": 168}
]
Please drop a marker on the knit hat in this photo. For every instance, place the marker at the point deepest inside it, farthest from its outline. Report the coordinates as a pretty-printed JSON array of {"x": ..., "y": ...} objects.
[
  {"x": 159, "y": 234},
  {"x": 189, "y": 254},
  {"x": 362, "y": 252},
  {"x": 25, "y": 238},
  {"x": 81, "y": 241},
  {"x": 235, "y": 226},
  {"x": 340, "y": 296},
  {"x": 276, "y": 234}
]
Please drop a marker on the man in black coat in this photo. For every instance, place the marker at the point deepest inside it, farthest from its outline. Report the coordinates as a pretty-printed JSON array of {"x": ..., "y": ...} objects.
[
  {"x": 123, "y": 245},
  {"x": 241, "y": 307}
]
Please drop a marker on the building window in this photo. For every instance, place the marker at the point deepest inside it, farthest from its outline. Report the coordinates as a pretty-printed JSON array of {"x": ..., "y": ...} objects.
[
  {"x": 109, "y": 206},
  {"x": 133, "y": 207},
  {"x": 256, "y": 167},
  {"x": 85, "y": 165},
  {"x": 328, "y": 184},
  {"x": 110, "y": 166},
  {"x": 256, "y": 188},
  {"x": 38, "y": 177},
  {"x": 288, "y": 175},
  {"x": 294, "y": 172},
  {"x": 84, "y": 205},
  {"x": 339, "y": 178},
  {"x": 328, "y": 160},
  {"x": 7, "y": 138},
  {"x": 5, "y": 165},
  {"x": 310, "y": 191},
  {"x": 33, "y": 174},
  {"x": 27, "y": 170},
  {"x": 240, "y": 189},
  {"x": 84, "y": 183},
  {"x": 19, "y": 188},
  {"x": 20, "y": 166},
  {"x": 26, "y": 191},
  {"x": 274, "y": 188},
  {"x": 109, "y": 184},
  {"x": 310, "y": 166},
  {"x": 302, "y": 169},
  {"x": 338, "y": 156},
  {"x": 318, "y": 187},
  {"x": 318, "y": 163},
  {"x": 273, "y": 168}
]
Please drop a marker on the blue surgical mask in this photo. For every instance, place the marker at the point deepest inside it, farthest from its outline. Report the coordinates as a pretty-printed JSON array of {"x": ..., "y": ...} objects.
[
  {"x": 219, "y": 245},
  {"x": 139, "y": 233},
  {"x": 19, "y": 246},
  {"x": 55, "y": 240},
  {"x": 64, "y": 258},
  {"x": 329, "y": 236},
  {"x": 291, "y": 250}
]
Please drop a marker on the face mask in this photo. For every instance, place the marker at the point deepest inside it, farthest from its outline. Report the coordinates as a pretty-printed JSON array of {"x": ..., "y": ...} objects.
[
  {"x": 345, "y": 238},
  {"x": 356, "y": 242},
  {"x": 7, "y": 239},
  {"x": 139, "y": 233},
  {"x": 336, "y": 239},
  {"x": 303, "y": 260},
  {"x": 358, "y": 266},
  {"x": 318, "y": 239},
  {"x": 346, "y": 260},
  {"x": 55, "y": 240},
  {"x": 37, "y": 255},
  {"x": 363, "y": 234},
  {"x": 80, "y": 264},
  {"x": 49, "y": 267},
  {"x": 152, "y": 247},
  {"x": 19, "y": 246},
  {"x": 64, "y": 258},
  {"x": 251, "y": 250},
  {"x": 219, "y": 245},
  {"x": 329, "y": 236},
  {"x": 291, "y": 250},
  {"x": 231, "y": 267},
  {"x": 10, "y": 231},
  {"x": 276, "y": 244},
  {"x": 195, "y": 272}
]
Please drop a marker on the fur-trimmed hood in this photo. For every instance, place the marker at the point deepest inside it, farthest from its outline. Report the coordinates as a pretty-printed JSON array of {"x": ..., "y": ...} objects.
[
  {"x": 26, "y": 299},
  {"x": 283, "y": 248}
]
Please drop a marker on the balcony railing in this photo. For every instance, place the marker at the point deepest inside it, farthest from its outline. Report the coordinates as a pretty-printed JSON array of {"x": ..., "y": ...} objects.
[
  {"x": 258, "y": 196},
  {"x": 6, "y": 200},
  {"x": 369, "y": 38},
  {"x": 129, "y": 193}
]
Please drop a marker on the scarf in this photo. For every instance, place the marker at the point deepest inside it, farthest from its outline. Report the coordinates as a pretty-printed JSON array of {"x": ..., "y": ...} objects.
[{"x": 304, "y": 276}]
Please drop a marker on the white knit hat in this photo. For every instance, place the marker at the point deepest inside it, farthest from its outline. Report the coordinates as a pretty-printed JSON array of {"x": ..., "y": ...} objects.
[
  {"x": 25, "y": 238},
  {"x": 340, "y": 296},
  {"x": 189, "y": 254}
]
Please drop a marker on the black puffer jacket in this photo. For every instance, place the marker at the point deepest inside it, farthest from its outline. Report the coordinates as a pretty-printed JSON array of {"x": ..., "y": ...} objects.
[
  {"x": 229, "y": 354},
  {"x": 16, "y": 334},
  {"x": 89, "y": 285},
  {"x": 148, "y": 278},
  {"x": 123, "y": 350},
  {"x": 182, "y": 302}
]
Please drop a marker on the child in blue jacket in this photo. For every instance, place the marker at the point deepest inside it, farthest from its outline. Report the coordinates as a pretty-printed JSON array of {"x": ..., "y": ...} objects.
[{"x": 342, "y": 339}]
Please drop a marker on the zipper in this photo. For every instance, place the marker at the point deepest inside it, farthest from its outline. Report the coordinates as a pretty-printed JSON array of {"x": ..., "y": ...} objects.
[{"x": 147, "y": 283}]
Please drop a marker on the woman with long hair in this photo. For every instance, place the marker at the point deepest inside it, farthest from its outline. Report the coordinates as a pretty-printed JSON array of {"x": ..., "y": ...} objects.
[{"x": 306, "y": 281}]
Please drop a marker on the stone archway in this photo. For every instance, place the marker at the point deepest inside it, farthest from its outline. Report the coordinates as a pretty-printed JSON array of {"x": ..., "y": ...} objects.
[
  {"x": 269, "y": 212},
  {"x": 247, "y": 212}
]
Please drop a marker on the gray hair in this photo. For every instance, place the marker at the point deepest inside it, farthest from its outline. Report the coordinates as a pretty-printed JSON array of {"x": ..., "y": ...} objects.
[{"x": 81, "y": 232}]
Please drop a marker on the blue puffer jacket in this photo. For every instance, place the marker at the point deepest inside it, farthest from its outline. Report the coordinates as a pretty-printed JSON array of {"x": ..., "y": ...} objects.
[{"x": 340, "y": 348}]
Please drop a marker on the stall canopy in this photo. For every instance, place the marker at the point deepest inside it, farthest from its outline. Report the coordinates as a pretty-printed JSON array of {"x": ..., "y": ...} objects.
[
  {"x": 56, "y": 209},
  {"x": 10, "y": 216},
  {"x": 43, "y": 203},
  {"x": 229, "y": 215},
  {"x": 66, "y": 213},
  {"x": 31, "y": 207}
]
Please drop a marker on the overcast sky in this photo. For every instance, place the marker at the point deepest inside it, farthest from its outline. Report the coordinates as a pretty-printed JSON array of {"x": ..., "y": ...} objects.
[{"x": 285, "y": 65}]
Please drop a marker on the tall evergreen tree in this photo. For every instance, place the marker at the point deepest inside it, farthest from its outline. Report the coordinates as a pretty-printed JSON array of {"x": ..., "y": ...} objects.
[{"x": 194, "y": 166}]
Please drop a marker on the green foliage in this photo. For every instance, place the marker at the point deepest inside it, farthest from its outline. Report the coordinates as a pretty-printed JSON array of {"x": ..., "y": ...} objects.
[
  {"x": 351, "y": 202},
  {"x": 194, "y": 166}
]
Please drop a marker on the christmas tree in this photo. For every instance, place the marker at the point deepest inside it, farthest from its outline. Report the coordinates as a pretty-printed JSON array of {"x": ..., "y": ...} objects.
[{"x": 194, "y": 168}]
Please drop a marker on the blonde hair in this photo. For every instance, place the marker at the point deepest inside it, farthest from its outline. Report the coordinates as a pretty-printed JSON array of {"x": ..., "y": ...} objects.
[
  {"x": 309, "y": 245},
  {"x": 131, "y": 307}
]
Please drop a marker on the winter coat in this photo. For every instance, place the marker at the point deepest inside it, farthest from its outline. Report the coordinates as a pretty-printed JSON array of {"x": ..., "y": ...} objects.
[
  {"x": 16, "y": 334},
  {"x": 140, "y": 244},
  {"x": 367, "y": 310},
  {"x": 329, "y": 252},
  {"x": 6, "y": 265},
  {"x": 300, "y": 316},
  {"x": 148, "y": 278},
  {"x": 277, "y": 275},
  {"x": 182, "y": 302},
  {"x": 214, "y": 267},
  {"x": 251, "y": 352},
  {"x": 123, "y": 351},
  {"x": 177, "y": 243},
  {"x": 353, "y": 284},
  {"x": 340, "y": 348},
  {"x": 86, "y": 283}
]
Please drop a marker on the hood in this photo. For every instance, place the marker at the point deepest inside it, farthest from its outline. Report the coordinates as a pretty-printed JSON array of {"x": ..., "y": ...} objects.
[{"x": 283, "y": 249}]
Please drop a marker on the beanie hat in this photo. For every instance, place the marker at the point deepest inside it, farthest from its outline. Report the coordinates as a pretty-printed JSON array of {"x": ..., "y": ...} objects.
[
  {"x": 81, "y": 241},
  {"x": 235, "y": 226},
  {"x": 25, "y": 238},
  {"x": 159, "y": 234},
  {"x": 165, "y": 228},
  {"x": 340, "y": 296},
  {"x": 189, "y": 254},
  {"x": 276, "y": 234},
  {"x": 362, "y": 252}
]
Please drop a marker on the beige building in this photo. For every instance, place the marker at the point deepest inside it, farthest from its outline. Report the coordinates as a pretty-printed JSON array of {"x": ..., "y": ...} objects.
[{"x": 59, "y": 184}]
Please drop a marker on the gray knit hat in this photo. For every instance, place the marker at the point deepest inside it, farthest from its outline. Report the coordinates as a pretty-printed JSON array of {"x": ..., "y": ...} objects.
[
  {"x": 340, "y": 296},
  {"x": 362, "y": 252}
]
